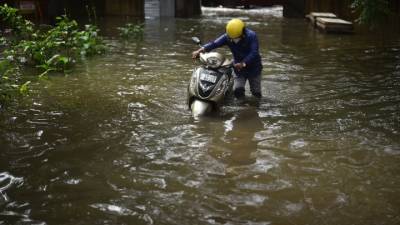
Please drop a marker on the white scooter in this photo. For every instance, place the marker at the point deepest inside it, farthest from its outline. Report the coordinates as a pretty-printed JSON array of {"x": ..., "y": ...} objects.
[{"x": 210, "y": 82}]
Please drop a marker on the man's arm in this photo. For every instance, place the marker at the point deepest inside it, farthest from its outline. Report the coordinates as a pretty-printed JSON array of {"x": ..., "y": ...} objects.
[
  {"x": 220, "y": 41},
  {"x": 253, "y": 51}
]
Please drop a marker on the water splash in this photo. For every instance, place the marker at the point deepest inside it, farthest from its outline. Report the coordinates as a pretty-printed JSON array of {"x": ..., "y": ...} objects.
[{"x": 8, "y": 181}]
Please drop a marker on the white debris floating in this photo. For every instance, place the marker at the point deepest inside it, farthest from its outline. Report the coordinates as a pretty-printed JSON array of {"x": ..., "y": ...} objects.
[{"x": 329, "y": 22}]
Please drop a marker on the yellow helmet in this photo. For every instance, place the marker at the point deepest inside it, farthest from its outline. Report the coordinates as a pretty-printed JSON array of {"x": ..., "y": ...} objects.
[{"x": 234, "y": 28}]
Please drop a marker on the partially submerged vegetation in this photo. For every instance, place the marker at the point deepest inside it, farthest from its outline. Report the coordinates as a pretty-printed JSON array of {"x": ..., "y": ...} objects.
[
  {"x": 57, "y": 48},
  {"x": 371, "y": 12},
  {"x": 11, "y": 83},
  {"x": 131, "y": 31},
  {"x": 47, "y": 49}
]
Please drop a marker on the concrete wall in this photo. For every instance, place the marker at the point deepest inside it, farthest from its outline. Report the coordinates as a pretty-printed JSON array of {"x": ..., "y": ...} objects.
[
  {"x": 151, "y": 8},
  {"x": 159, "y": 8},
  {"x": 167, "y": 8}
]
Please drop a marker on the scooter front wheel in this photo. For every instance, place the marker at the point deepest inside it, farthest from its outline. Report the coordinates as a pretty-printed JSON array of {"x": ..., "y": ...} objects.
[{"x": 200, "y": 108}]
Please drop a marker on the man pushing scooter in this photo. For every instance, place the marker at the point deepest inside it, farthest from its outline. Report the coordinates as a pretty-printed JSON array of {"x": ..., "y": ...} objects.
[{"x": 243, "y": 44}]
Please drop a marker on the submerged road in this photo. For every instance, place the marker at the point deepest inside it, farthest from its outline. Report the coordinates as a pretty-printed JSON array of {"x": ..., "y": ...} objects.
[{"x": 114, "y": 143}]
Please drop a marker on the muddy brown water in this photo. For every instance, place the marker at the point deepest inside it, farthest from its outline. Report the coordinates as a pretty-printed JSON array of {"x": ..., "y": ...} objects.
[{"x": 112, "y": 142}]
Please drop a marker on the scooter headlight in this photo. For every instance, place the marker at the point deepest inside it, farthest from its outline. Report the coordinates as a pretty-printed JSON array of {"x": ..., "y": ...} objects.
[{"x": 214, "y": 62}]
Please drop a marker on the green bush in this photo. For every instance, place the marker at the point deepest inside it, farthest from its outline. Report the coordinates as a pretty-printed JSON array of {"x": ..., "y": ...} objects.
[
  {"x": 22, "y": 28},
  {"x": 371, "y": 12},
  {"x": 59, "y": 47},
  {"x": 55, "y": 49},
  {"x": 10, "y": 82}
]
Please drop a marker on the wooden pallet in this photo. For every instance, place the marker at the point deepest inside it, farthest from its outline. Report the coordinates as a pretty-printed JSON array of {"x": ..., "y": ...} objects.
[{"x": 334, "y": 25}]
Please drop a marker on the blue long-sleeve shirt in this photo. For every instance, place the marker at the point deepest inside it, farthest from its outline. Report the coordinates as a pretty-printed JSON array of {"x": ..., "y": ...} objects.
[{"x": 246, "y": 50}]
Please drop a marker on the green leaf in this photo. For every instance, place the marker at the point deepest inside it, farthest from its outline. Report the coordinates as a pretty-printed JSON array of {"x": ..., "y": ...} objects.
[
  {"x": 43, "y": 75},
  {"x": 24, "y": 88},
  {"x": 4, "y": 65},
  {"x": 63, "y": 59},
  {"x": 52, "y": 59}
]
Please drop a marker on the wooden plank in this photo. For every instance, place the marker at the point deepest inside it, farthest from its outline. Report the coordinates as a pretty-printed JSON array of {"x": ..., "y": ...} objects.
[
  {"x": 314, "y": 15},
  {"x": 333, "y": 21},
  {"x": 322, "y": 14}
]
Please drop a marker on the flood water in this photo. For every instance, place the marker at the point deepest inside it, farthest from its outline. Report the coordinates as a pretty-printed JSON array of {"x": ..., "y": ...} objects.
[{"x": 113, "y": 142}]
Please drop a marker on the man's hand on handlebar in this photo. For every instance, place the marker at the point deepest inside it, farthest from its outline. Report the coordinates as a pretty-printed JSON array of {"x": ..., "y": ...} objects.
[
  {"x": 196, "y": 53},
  {"x": 239, "y": 66}
]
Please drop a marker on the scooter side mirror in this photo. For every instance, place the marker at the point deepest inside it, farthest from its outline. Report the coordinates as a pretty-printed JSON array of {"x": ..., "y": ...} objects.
[{"x": 196, "y": 40}]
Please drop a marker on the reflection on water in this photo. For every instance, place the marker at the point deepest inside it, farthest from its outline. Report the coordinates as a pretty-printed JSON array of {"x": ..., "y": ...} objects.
[{"x": 114, "y": 143}]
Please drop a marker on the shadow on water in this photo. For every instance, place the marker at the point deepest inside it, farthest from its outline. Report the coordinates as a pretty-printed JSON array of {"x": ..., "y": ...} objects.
[
  {"x": 239, "y": 132},
  {"x": 233, "y": 127}
]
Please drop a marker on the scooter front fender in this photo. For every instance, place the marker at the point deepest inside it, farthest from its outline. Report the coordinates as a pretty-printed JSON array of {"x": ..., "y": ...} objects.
[{"x": 200, "y": 108}]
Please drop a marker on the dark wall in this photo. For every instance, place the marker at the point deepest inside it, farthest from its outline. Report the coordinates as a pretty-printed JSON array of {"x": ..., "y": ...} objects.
[
  {"x": 73, "y": 8},
  {"x": 294, "y": 8},
  {"x": 395, "y": 8},
  {"x": 184, "y": 8},
  {"x": 342, "y": 8},
  {"x": 133, "y": 8},
  {"x": 90, "y": 8},
  {"x": 339, "y": 7}
]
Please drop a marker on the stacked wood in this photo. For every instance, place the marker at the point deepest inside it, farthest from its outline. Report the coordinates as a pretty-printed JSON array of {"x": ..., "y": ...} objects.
[{"x": 329, "y": 22}]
